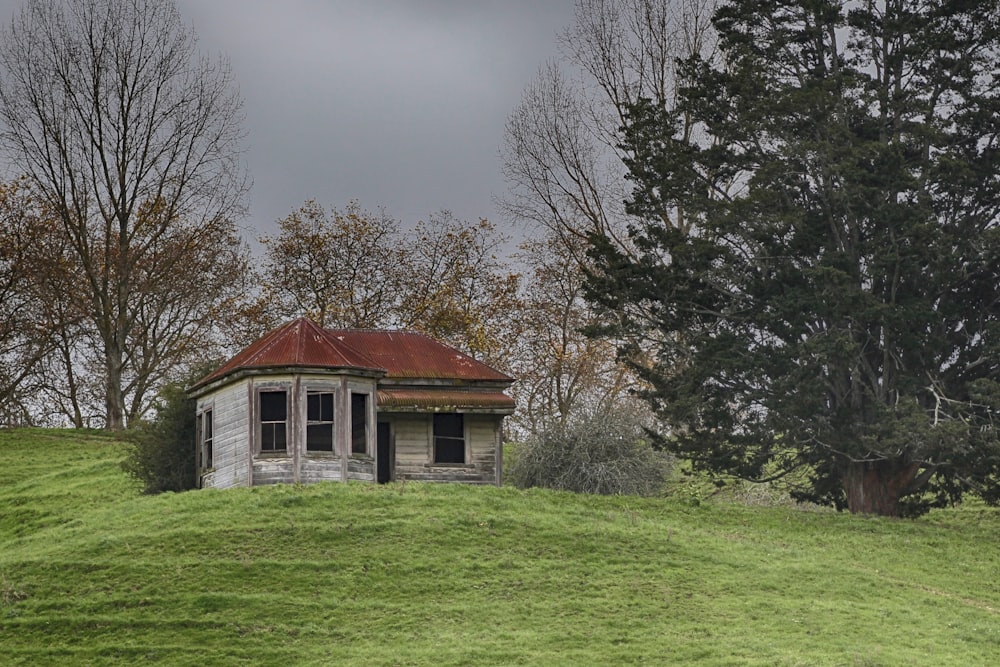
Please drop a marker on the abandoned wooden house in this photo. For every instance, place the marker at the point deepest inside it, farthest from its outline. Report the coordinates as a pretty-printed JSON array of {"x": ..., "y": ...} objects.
[{"x": 306, "y": 404}]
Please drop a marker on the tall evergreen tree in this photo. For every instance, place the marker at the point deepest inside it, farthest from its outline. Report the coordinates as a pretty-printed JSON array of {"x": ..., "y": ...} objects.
[{"x": 833, "y": 303}]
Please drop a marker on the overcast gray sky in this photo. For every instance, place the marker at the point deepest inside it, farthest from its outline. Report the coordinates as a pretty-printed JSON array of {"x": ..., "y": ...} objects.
[
  {"x": 395, "y": 103},
  {"x": 398, "y": 104}
]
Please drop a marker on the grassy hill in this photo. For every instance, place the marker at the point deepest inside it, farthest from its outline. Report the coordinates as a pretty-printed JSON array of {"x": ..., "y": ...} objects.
[{"x": 92, "y": 573}]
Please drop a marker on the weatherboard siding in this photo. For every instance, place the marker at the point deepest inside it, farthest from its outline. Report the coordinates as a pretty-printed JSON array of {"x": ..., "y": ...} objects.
[
  {"x": 413, "y": 435},
  {"x": 315, "y": 469},
  {"x": 231, "y": 433},
  {"x": 362, "y": 470},
  {"x": 273, "y": 471},
  {"x": 482, "y": 430}
]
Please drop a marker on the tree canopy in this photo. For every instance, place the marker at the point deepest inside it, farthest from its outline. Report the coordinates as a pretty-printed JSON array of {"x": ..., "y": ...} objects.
[
  {"x": 357, "y": 268},
  {"x": 830, "y": 304}
]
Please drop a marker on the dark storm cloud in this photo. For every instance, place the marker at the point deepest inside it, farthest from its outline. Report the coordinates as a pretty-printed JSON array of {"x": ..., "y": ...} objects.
[{"x": 393, "y": 103}]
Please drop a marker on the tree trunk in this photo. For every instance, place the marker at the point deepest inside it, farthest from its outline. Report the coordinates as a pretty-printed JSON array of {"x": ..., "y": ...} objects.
[
  {"x": 114, "y": 396},
  {"x": 73, "y": 410},
  {"x": 875, "y": 487}
]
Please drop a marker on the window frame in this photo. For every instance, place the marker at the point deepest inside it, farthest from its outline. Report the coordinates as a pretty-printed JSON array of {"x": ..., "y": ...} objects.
[
  {"x": 260, "y": 423},
  {"x": 205, "y": 433},
  {"x": 354, "y": 439},
  {"x": 331, "y": 422},
  {"x": 455, "y": 441}
]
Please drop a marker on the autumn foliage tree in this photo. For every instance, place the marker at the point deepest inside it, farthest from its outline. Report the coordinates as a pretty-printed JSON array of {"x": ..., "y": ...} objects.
[
  {"x": 834, "y": 303},
  {"x": 339, "y": 267},
  {"x": 456, "y": 287},
  {"x": 354, "y": 268},
  {"x": 27, "y": 328}
]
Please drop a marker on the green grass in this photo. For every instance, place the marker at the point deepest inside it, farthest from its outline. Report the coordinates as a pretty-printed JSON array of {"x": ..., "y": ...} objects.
[{"x": 93, "y": 573}]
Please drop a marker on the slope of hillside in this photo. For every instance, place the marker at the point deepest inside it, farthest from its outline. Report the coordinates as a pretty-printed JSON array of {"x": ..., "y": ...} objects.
[{"x": 406, "y": 574}]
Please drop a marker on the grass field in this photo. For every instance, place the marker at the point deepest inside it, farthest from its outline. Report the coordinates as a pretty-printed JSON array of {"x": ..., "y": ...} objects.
[{"x": 92, "y": 573}]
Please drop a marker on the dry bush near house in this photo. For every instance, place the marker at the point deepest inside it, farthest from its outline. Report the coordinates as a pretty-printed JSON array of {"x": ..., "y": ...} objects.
[{"x": 606, "y": 454}]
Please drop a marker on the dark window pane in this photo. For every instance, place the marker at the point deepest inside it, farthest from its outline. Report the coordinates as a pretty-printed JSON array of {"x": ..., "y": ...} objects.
[
  {"x": 272, "y": 437},
  {"x": 449, "y": 438},
  {"x": 320, "y": 407},
  {"x": 359, "y": 423},
  {"x": 449, "y": 450},
  {"x": 272, "y": 406},
  {"x": 449, "y": 425},
  {"x": 319, "y": 438},
  {"x": 319, "y": 432},
  {"x": 267, "y": 437},
  {"x": 206, "y": 442}
]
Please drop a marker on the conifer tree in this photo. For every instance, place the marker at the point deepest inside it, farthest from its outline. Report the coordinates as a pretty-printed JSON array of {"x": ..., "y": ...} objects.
[{"x": 831, "y": 303}]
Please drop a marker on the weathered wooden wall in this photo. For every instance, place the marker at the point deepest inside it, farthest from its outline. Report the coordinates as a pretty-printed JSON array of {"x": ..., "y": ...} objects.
[
  {"x": 231, "y": 435},
  {"x": 413, "y": 435},
  {"x": 235, "y": 440}
]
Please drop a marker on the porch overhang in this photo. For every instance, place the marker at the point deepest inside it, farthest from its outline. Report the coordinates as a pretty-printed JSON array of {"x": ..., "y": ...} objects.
[{"x": 444, "y": 400}]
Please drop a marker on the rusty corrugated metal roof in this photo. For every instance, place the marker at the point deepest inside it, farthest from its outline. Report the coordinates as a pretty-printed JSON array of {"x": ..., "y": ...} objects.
[
  {"x": 397, "y": 354},
  {"x": 412, "y": 355},
  {"x": 300, "y": 344},
  {"x": 443, "y": 398}
]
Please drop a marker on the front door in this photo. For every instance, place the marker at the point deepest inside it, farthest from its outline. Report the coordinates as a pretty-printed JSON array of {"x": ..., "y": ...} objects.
[{"x": 383, "y": 453}]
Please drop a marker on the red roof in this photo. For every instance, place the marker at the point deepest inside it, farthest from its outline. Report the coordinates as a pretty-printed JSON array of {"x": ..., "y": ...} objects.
[
  {"x": 298, "y": 344},
  {"x": 412, "y": 355},
  {"x": 397, "y": 354}
]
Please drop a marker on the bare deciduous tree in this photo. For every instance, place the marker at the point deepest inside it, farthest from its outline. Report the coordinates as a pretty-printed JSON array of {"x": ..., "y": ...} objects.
[
  {"x": 110, "y": 110},
  {"x": 566, "y": 180},
  {"x": 560, "y": 154},
  {"x": 563, "y": 374}
]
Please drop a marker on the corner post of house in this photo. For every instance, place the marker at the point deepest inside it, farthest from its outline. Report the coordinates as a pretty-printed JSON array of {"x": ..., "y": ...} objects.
[
  {"x": 251, "y": 429},
  {"x": 498, "y": 434},
  {"x": 296, "y": 437},
  {"x": 343, "y": 422}
]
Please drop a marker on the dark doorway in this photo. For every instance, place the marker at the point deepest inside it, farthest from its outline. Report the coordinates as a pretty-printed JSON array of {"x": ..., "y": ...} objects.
[{"x": 383, "y": 453}]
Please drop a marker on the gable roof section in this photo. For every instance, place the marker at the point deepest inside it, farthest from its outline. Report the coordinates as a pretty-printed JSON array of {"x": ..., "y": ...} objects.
[
  {"x": 400, "y": 355},
  {"x": 408, "y": 355}
]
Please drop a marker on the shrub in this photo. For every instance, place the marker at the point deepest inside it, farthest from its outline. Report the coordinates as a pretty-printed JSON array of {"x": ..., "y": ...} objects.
[
  {"x": 161, "y": 452},
  {"x": 606, "y": 454}
]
